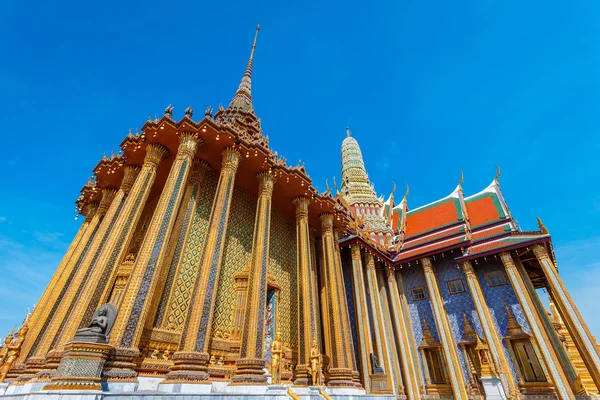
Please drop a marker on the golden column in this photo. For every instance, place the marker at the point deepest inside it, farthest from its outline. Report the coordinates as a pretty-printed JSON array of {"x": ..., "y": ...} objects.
[
  {"x": 136, "y": 184},
  {"x": 448, "y": 343},
  {"x": 191, "y": 361},
  {"x": 251, "y": 363},
  {"x": 362, "y": 314},
  {"x": 570, "y": 314},
  {"x": 41, "y": 313},
  {"x": 142, "y": 283},
  {"x": 307, "y": 319},
  {"x": 50, "y": 299},
  {"x": 341, "y": 368},
  {"x": 383, "y": 353},
  {"x": 561, "y": 383},
  {"x": 182, "y": 229},
  {"x": 82, "y": 269},
  {"x": 492, "y": 336},
  {"x": 406, "y": 343}
]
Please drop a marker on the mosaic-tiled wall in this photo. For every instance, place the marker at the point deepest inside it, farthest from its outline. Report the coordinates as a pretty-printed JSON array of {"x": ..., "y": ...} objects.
[
  {"x": 176, "y": 308},
  {"x": 457, "y": 304},
  {"x": 419, "y": 310},
  {"x": 496, "y": 296},
  {"x": 237, "y": 255},
  {"x": 282, "y": 264},
  {"x": 347, "y": 270}
]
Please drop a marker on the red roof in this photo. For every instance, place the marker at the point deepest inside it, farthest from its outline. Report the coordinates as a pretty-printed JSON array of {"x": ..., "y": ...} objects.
[{"x": 435, "y": 216}]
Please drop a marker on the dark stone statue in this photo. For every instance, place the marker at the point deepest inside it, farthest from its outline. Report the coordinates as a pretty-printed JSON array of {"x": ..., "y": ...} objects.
[
  {"x": 375, "y": 365},
  {"x": 100, "y": 327}
]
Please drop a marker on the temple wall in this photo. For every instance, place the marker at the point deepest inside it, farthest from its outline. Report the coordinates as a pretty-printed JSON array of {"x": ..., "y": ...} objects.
[
  {"x": 495, "y": 297},
  {"x": 282, "y": 265},
  {"x": 174, "y": 310},
  {"x": 236, "y": 256},
  {"x": 457, "y": 304},
  {"x": 419, "y": 310}
]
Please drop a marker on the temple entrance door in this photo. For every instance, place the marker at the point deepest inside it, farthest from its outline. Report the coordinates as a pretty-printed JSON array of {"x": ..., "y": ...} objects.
[{"x": 270, "y": 324}]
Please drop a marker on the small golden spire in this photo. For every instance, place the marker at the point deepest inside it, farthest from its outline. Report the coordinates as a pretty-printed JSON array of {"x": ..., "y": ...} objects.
[
  {"x": 497, "y": 173},
  {"x": 468, "y": 332},
  {"x": 348, "y": 133},
  {"x": 541, "y": 225}
]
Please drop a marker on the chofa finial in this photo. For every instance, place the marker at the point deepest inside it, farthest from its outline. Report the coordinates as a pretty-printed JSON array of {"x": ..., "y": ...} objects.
[
  {"x": 406, "y": 193},
  {"x": 541, "y": 225},
  {"x": 462, "y": 177},
  {"x": 497, "y": 173}
]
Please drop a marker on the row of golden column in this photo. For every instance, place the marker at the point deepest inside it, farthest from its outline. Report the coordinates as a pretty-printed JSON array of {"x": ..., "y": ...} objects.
[
  {"x": 86, "y": 277},
  {"x": 407, "y": 378}
]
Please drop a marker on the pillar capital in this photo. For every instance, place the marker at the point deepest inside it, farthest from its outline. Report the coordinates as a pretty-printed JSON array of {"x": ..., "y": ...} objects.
[
  {"x": 507, "y": 260},
  {"x": 370, "y": 261},
  {"x": 108, "y": 196},
  {"x": 427, "y": 263},
  {"x": 355, "y": 250},
  {"x": 467, "y": 268},
  {"x": 199, "y": 170},
  {"x": 129, "y": 174},
  {"x": 231, "y": 158},
  {"x": 391, "y": 274},
  {"x": 188, "y": 144},
  {"x": 301, "y": 203},
  {"x": 266, "y": 182},
  {"x": 540, "y": 251},
  {"x": 91, "y": 208},
  {"x": 326, "y": 222},
  {"x": 155, "y": 153}
]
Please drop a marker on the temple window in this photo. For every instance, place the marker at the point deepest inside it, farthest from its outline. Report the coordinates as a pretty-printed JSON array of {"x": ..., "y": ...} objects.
[
  {"x": 528, "y": 362},
  {"x": 495, "y": 278},
  {"x": 418, "y": 293},
  {"x": 456, "y": 286}
]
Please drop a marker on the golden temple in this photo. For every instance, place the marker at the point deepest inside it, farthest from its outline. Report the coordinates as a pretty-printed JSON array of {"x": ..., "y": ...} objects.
[{"x": 231, "y": 273}]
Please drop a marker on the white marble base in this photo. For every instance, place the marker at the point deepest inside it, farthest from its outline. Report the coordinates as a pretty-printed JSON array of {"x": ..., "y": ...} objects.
[
  {"x": 303, "y": 391},
  {"x": 186, "y": 388},
  {"x": 345, "y": 391},
  {"x": 119, "y": 386},
  {"x": 58, "y": 395},
  {"x": 245, "y": 389},
  {"x": 33, "y": 387},
  {"x": 148, "y": 383},
  {"x": 3, "y": 387},
  {"x": 493, "y": 388},
  {"x": 219, "y": 387}
]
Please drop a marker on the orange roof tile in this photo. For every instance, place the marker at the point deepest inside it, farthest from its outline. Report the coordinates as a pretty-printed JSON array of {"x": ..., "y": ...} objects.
[
  {"x": 433, "y": 217},
  {"x": 427, "y": 249},
  {"x": 484, "y": 209},
  {"x": 498, "y": 230}
]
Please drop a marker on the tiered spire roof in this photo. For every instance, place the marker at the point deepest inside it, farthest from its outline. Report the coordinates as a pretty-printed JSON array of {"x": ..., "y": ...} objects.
[
  {"x": 360, "y": 194},
  {"x": 242, "y": 99}
]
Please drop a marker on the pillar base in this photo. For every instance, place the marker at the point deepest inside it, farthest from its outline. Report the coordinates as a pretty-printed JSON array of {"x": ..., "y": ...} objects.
[
  {"x": 249, "y": 371},
  {"x": 80, "y": 368},
  {"x": 379, "y": 384},
  {"x": 303, "y": 377},
  {"x": 119, "y": 367},
  {"x": 189, "y": 368},
  {"x": 341, "y": 377}
]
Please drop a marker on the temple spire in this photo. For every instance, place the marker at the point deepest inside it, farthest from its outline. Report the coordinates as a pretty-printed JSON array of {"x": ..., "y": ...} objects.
[{"x": 243, "y": 96}]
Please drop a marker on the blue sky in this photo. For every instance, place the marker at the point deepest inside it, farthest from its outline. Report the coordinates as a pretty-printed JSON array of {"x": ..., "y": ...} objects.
[{"x": 426, "y": 87}]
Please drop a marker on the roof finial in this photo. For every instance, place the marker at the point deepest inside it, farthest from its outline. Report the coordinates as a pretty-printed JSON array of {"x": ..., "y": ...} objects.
[
  {"x": 394, "y": 188},
  {"x": 497, "y": 173},
  {"x": 406, "y": 193},
  {"x": 348, "y": 133},
  {"x": 462, "y": 177},
  {"x": 541, "y": 225}
]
